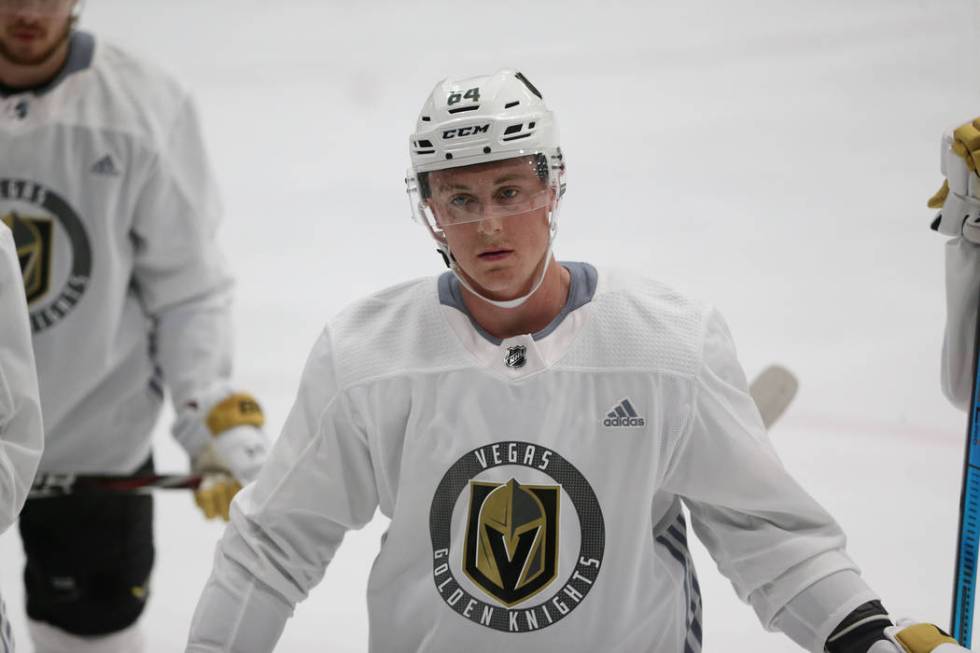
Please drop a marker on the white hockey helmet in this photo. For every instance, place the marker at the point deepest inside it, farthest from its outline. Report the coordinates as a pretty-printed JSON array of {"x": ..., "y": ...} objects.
[{"x": 479, "y": 120}]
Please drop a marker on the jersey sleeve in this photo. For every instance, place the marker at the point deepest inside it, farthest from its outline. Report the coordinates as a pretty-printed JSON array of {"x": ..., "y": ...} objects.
[
  {"x": 766, "y": 534},
  {"x": 962, "y": 292},
  {"x": 180, "y": 274},
  {"x": 318, "y": 483},
  {"x": 21, "y": 431}
]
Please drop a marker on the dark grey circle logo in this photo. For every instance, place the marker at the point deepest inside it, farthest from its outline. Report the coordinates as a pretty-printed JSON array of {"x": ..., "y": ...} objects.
[
  {"x": 39, "y": 217},
  {"x": 509, "y": 608}
]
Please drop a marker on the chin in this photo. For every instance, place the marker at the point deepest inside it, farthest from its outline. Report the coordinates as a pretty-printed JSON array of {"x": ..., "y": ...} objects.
[
  {"x": 503, "y": 287},
  {"x": 24, "y": 56}
]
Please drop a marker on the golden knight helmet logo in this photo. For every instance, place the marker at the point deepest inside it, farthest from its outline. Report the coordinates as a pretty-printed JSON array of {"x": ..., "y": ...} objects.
[
  {"x": 32, "y": 237},
  {"x": 511, "y": 548}
]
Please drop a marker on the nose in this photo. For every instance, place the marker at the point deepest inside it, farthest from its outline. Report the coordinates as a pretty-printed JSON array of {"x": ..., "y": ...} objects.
[{"x": 489, "y": 225}]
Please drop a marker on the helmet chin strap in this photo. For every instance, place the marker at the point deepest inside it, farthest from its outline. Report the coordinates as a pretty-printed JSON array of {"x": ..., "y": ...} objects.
[
  {"x": 518, "y": 301},
  {"x": 508, "y": 303}
]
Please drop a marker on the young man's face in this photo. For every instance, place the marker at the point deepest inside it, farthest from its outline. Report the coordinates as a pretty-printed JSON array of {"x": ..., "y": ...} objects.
[
  {"x": 495, "y": 218},
  {"x": 31, "y": 30}
]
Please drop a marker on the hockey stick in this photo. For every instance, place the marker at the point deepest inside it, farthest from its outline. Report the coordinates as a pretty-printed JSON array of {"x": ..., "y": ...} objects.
[
  {"x": 965, "y": 579},
  {"x": 57, "y": 485},
  {"x": 773, "y": 390}
]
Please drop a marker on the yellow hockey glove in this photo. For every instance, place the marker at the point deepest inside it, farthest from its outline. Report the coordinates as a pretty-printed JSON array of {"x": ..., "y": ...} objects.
[
  {"x": 911, "y": 637},
  {"x": 233, "y": 456},
  {"x": 966, "y": 143},
  {"x": 959, "y": 196}
]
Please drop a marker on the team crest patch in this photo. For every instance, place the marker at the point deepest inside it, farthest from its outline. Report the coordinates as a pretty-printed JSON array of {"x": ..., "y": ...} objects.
[
  {"x": 506, "y": 572},
  {"x": 511, "y": 549},
  {"x": 32, "y": 237},
  {"x": 53, "y": 248}
]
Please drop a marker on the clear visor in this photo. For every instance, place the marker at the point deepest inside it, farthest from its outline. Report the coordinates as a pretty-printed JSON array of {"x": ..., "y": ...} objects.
[
  {"x": 40, "y": 7},
  {"x": 502, "y": 189}
]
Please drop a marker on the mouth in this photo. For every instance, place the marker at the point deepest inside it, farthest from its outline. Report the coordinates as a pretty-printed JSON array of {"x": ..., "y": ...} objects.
[
  {"x": 26, "y": 34},
  {"x": 495, "y": 254}
]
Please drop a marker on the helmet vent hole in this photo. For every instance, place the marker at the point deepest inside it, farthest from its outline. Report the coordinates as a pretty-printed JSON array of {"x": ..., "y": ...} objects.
[
  {"x": 486, "y": 150},
  {"x": 462, "y": 109},
  {"x": 511, "y": 105},
  {"x": 425, "y": 143},
  {"x": 513, "y": 129},
  {"x": 426, "y": 118},
  {"x": 449, "y": 155}
]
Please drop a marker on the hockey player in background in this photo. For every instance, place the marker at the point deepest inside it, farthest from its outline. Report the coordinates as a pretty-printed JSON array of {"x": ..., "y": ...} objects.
[
  {"x": 532, "y": 428},
  {"x": 959, "y": 201},
  {"x": 106, "y": 187},
  {"x": 21, "y": 432}
]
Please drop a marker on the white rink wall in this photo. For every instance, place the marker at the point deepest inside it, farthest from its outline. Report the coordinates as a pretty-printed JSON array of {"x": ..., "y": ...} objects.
[{"x": 773, "y": 158}]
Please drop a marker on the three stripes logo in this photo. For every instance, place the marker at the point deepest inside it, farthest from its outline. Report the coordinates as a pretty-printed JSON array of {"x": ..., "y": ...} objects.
[
  {"x": 623, "y": 415},
  {"x": 105, "y": 167}
]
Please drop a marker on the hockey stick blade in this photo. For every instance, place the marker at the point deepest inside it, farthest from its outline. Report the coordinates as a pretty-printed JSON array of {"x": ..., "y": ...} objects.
[
  {"x": 57, "y": 485},
  {"x": 773, "y": 391}
]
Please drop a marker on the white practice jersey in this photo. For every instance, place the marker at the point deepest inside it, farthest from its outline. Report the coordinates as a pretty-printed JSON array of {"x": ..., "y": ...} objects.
[
  {"x": 962, "y": 286},
  {"x": 534, "y": 484},
  {"x": 21, "y": 431},
  {"x": 105, "y": 184}
]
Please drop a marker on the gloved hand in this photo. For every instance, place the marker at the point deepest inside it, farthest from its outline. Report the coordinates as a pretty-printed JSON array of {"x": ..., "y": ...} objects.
[
  {"x": 234, "y": 454},
  {"x": 959, "y": 197},
  {"x": 911, "y": 637}
]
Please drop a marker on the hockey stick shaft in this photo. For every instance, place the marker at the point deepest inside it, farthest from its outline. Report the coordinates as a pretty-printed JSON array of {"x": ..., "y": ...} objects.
[
  {"x": 965, "y": 578},
  {"x": 56, "y": 485}
]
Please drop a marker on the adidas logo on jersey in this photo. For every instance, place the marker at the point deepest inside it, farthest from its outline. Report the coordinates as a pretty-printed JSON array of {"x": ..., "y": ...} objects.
[
  {"x": 623, "y": 415},
  {"x": 105, "y": 167}
]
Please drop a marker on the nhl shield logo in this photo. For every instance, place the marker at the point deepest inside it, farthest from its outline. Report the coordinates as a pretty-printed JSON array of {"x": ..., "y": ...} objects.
[
  {"x": 511, "y": 545},
  {"x": 516, "y": 356},
  {"x": 33, "y": 240}
]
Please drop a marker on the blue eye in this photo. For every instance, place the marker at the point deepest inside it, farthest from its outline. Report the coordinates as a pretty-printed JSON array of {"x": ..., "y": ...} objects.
[
  {"x": 460, "y": 201},
  {"x": 508, "y": 193}
]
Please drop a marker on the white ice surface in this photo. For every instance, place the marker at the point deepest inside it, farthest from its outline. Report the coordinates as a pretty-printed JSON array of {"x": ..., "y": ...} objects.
[{"x": 772, "y": 157}]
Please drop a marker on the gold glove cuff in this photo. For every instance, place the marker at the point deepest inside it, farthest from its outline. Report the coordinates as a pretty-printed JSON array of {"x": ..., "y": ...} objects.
[{"x": 239, "y": 409}]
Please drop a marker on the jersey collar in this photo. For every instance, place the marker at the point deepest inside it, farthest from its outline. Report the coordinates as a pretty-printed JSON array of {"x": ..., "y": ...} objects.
[
  {"x": 81, "y": 51},
  {"x": 583, "y": 280}
]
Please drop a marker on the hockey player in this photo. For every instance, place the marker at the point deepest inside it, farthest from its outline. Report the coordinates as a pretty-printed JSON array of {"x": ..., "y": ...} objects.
[
  {"x": 532, "y": 428},
  {"x": 21, "y": 432},
  {"x": 106, "y": 187},
  {"x": 959, "y": 201}
]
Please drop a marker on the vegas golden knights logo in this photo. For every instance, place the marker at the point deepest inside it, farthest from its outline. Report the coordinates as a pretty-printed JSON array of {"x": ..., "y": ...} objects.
[
  {"x": 33, "y": 239},
  {"x": 511, "y": 546}
]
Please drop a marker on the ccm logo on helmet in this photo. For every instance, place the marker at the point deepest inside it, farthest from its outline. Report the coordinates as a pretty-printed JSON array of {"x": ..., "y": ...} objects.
[{"x": 466, "y": 131}]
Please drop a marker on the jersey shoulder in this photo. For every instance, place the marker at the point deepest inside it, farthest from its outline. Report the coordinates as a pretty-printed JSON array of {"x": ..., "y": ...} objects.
[
  {"x": 125, "y": 93},
  {"x": 398, "y": 330},
  {"x": 641, "y": 324}
]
